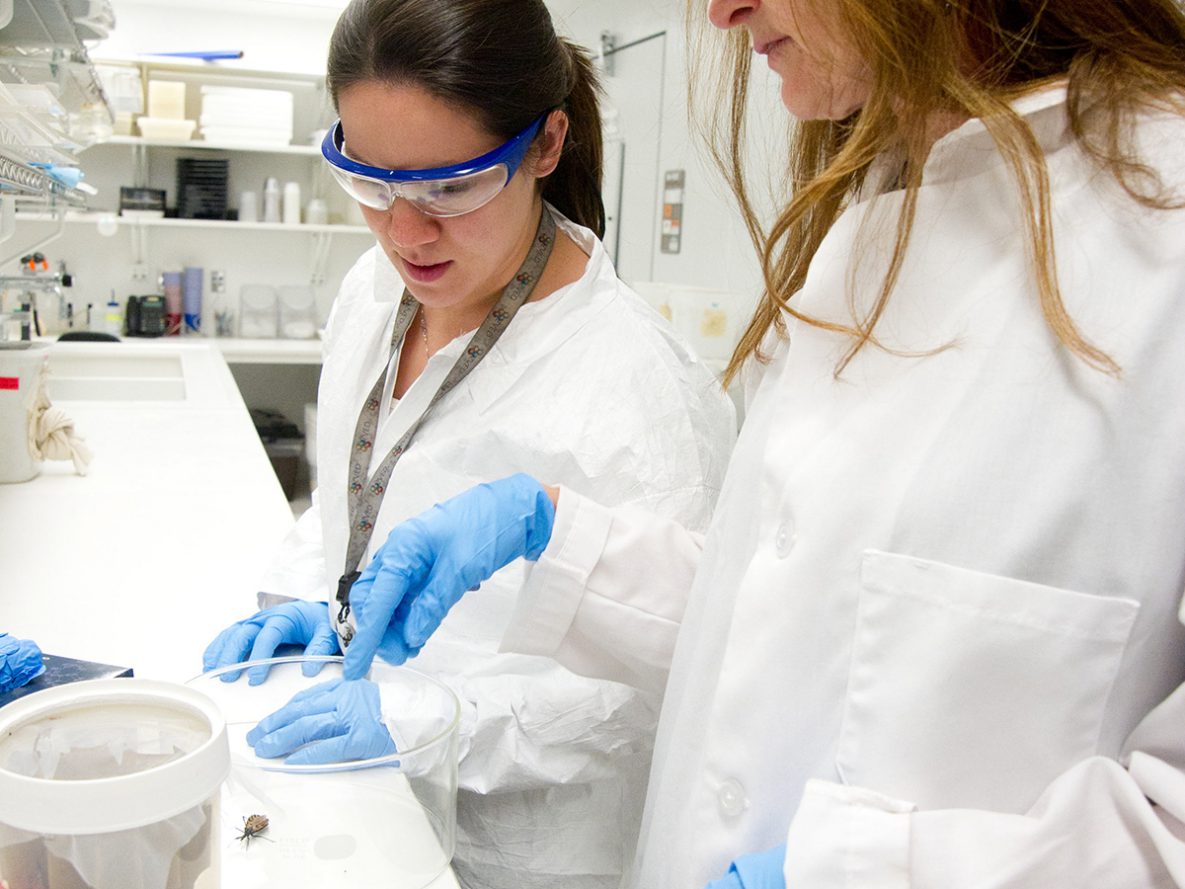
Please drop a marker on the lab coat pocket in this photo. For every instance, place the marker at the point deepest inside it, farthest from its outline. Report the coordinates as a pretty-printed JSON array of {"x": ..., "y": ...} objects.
[{"x": 973, "y": 690}]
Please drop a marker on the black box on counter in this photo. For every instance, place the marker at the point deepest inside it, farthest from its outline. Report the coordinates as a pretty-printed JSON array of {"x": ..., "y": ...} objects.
[
  {"x": 62, "y": 670},
  {"x": 141, "y": 201}
]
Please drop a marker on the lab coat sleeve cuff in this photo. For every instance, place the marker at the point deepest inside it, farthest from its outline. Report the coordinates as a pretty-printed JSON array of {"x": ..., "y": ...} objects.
[
  {"x": 556, "y": 583},
  {"x": 848, "y": 836}
]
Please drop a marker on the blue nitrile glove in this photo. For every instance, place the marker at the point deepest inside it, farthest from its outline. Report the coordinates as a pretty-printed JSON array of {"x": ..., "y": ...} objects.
[
  {"x": 762, "y": 870},
  {"x": 293, "y": 623},
  {"x": 339, "y": 720},
  {"x": 20, "y": 662},
  {"x": 427, "y": 563}
]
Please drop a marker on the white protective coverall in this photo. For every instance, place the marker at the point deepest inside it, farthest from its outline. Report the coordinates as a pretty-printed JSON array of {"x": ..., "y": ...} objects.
[
  {"x": 932, "y": 639},
  {"x": 589, "y": 387}
]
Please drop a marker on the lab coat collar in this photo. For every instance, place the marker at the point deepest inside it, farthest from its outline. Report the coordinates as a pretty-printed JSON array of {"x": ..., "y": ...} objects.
[
  {"x": 970, "y": 149},
  {"x": 537, "y": 329},
  {"x": 539, "y": 326}
]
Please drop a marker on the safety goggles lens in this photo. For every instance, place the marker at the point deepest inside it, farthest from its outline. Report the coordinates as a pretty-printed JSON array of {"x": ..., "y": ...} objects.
[
  {"x": 453, "y": 196},
  {"x": 441, "y": 191}
]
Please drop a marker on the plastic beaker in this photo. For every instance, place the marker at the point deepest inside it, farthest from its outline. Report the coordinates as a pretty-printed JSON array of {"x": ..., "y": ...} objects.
[
  {"x": 298, "y": 312},
  {"x": 389, "y": 821},
  {"x": 258, "y": 311}
]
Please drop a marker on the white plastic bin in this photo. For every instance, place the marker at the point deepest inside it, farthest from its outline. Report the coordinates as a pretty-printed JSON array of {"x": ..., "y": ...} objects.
[
  {"x": 21, "y": 369},
  {"x": 259, "y": 313},
  {"x": 298, "y": 312},
  {"x": 111, "y": 784}
]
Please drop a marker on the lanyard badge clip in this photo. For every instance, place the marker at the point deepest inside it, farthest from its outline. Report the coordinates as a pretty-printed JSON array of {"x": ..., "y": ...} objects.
[{"x": 345, "y": 632}]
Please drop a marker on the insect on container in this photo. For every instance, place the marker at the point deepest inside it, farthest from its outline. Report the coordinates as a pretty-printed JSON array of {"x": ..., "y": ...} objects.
[
  {"x": 388, "y": 821},
  {"x": 111, "y": 784}
]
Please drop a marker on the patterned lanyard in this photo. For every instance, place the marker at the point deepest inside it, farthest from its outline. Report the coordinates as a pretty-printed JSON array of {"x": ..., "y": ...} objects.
[{"x": 365, "y": 495}]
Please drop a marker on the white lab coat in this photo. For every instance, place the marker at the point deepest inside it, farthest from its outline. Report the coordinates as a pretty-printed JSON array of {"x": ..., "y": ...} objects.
[
  {"x": 932, "y": 640},
  {"x": 588, "y": 387}
]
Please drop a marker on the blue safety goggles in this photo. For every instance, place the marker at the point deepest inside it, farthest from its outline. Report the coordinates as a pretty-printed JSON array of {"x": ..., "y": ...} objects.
[{"x": 440, "y": 191}]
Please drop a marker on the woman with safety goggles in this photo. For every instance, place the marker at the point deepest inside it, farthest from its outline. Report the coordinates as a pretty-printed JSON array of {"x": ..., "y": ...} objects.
[{"x": 488, "y": 334}]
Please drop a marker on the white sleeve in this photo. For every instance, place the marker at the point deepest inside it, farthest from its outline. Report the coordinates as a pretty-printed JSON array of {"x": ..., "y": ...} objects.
[
  {"x": 607, "y": 596},
  {"x": 298, "y": 569},
  {"x": 1098, "y": 825}
]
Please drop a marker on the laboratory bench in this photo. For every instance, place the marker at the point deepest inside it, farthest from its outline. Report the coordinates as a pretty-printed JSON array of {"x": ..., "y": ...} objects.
[{"x": 143, "y": 560}]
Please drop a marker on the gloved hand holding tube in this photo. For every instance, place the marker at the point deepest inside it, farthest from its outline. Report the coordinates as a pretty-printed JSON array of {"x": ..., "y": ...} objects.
[
  {"x": 428, "y": 562},
  {"x": 333, "y": 722},
  {"x": 762, "y": 870},
  {"x": 20, "y": 662},
  {"x": 292, "y": 623}
]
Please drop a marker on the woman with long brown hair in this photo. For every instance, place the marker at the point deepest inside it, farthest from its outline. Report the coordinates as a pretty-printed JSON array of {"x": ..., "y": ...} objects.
[{"x": 932, "y": 637}]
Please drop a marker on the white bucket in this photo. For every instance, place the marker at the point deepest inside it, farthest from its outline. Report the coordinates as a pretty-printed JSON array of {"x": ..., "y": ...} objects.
[
  {"x": 111, "y": 784},
  {"x": 21, "y": 366}
]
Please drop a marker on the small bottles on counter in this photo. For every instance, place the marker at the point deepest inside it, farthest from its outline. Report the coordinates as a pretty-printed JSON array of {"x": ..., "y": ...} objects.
[
  {"x": 271, "y": 200},
  {"x": 112, "y": 316},
  {"x": 291, "y": 214}
]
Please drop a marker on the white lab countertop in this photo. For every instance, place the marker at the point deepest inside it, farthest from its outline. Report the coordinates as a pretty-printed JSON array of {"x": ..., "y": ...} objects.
[
  {"x": 161, "y": 545},
  {"x": 142, "y": 561}
]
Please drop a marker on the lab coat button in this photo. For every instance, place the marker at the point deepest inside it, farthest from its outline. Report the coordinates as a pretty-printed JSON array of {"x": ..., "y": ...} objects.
[
  {"x": 784, "y": 539},
  {"x": 731, "y": 798}
]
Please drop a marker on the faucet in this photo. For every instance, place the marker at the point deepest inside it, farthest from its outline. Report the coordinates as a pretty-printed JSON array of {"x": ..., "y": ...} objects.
[{"x": 32, "y": 281}]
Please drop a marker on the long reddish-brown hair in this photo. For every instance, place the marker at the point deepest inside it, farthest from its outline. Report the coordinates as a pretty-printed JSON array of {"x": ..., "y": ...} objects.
[{"x": 960, "y": 59}]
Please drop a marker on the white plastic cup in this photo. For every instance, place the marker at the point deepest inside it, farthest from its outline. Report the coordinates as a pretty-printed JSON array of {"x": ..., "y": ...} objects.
[
  {"x": 271, "y": 200},
  {"x": 291, "y": 215},
  {"x": 248, "y": 207},
  {"x": 317, "y": 212}
]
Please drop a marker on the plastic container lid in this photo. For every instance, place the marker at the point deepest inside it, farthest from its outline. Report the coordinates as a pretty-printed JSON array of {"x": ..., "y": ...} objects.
[{"x": 108, "y": 755}]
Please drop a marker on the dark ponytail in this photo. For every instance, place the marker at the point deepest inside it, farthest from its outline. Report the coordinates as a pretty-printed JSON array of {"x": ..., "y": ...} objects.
[
  {"x": 575, "y": 185},
  {"x": 500, "y": 60}
]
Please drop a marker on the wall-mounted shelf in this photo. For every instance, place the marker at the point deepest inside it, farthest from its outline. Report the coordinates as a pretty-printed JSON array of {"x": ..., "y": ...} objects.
[
  {"x": 200, "y": 144},
  {"x": 214, "y": 224}
]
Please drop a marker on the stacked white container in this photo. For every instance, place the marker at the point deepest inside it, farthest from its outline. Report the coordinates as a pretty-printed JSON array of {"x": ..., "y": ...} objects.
[{"x": 246, "y": 116}]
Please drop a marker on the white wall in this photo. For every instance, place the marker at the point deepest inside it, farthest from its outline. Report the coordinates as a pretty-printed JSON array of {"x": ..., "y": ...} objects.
[
  {"x": 715, "y": 252},
  {"x": 274, "y": 36}
]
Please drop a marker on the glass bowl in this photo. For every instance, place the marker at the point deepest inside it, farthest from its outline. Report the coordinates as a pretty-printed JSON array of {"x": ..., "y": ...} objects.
[{"x": 388, "y": 821}]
